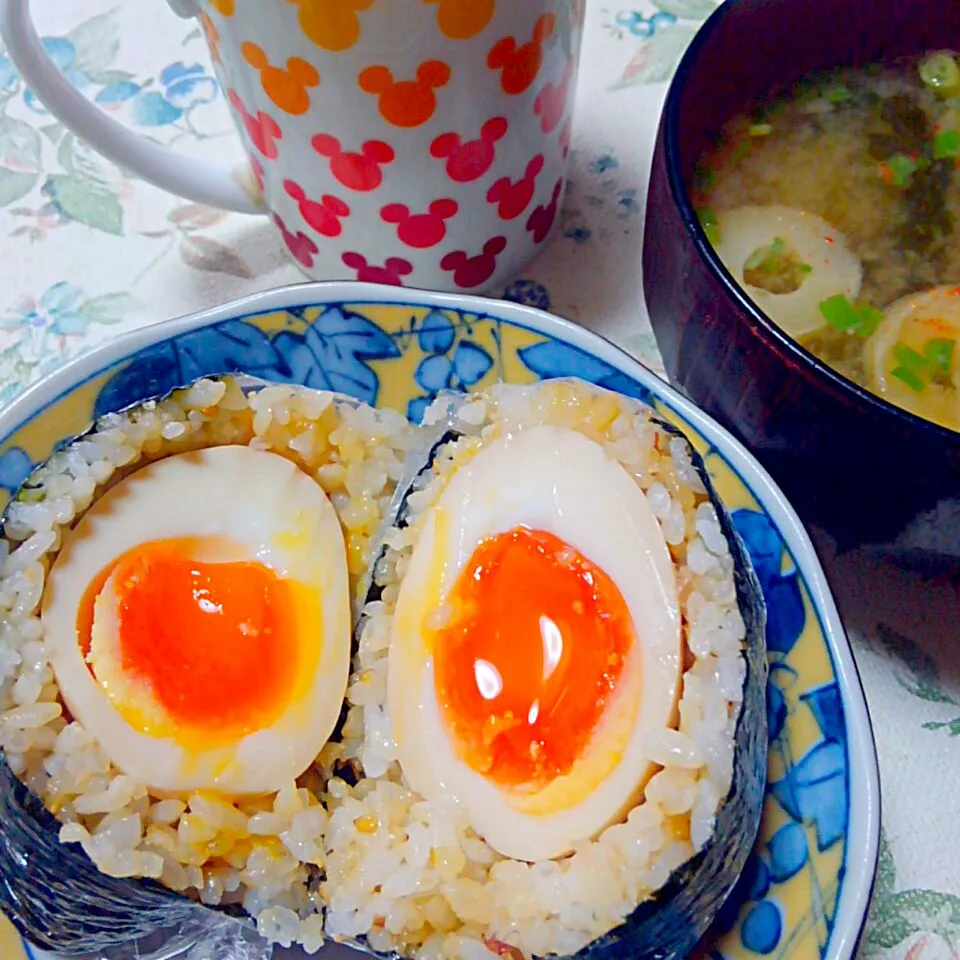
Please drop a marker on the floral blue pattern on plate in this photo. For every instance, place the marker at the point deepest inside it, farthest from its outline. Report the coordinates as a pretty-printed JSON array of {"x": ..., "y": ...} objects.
[{"x": 805, "y": 890}]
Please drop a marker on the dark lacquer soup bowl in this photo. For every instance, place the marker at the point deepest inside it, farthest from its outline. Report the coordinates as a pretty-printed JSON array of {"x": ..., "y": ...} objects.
[{"x": 867, "y": 472}]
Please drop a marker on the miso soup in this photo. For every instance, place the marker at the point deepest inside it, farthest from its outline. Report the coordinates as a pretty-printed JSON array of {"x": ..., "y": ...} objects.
[{"x": 836, "y": 205}]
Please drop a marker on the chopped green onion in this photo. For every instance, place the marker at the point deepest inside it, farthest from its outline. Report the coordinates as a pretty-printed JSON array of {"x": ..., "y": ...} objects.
[
  {"x": 760, "y": 130},
  {"x": 804, "y": 268},
  {"x": 946, "y": 144},
  {"x": 842, "y": 315},
  {"x": 711, "y": 227},
  {"x": 940, "y": 72},
  {"x": 839, "y": 312},
  {"x": 909, "y": 358},
  {"x": 902, "y": 168},
  {"x": 764, "y": 258},
  {"x": 939, "y": 352},
  {"x": 908, "y": 377},
  {"x": 915, "y": 369},
  {"x": 838, "y": 94},
  {"x": 870, "y": 319}
]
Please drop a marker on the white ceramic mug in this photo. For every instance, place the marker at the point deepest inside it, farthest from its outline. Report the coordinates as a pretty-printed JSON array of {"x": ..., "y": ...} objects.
[{"x": 418, "y": 142}]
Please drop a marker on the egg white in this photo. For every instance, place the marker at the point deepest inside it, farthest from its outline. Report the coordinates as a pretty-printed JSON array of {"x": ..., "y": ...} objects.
[
  {"x": 557, "y": 480},
  {"x": 275, "y": 515}
]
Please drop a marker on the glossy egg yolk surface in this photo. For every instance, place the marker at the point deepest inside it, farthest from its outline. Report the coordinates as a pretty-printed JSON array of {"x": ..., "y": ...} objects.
[
  {"x": 215, "y": 645},
  {"x": 537, "y": 640}
]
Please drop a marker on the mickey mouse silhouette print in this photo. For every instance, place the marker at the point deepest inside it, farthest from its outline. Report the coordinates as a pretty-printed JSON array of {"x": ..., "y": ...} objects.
[
  {"x": 406, "y": 103},
  {"x": 463, "y": 19},
  {"x": 361, "y": 171},
  {"x": 471, "y": 160},
  {"x": 513, "y": 198},
  {"x": 392, "y": 272},
  {"x": 474, "y": 271},
  {"x": 331, "y": 24},
  {"x": 287, "y": 87},
  {"x": 421, "y": 230},
  {"x": 323, "y": 215},
  {"x": 261, "y": 128},
  {"x": 519, "y": 64}
]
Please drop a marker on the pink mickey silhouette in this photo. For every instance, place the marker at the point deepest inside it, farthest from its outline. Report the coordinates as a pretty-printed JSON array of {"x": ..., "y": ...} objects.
[
  {"x": 474, "y": 271},
  {"x": 359, "y": 171},
  {"x": 391, "y": 272},
  {"x": 471, "y": 160},
  {"x": 324, "y": 216},
  {"x": 551, "y": 102},
  {"x": 421, "y": 230},
  {"x": 299, "y": 244},
  {"x": 262, "y": 129},
  {"x": 541, "y": 220},
  {"x": 566, "y": 135},
  {"x": 514, "y": 198}
]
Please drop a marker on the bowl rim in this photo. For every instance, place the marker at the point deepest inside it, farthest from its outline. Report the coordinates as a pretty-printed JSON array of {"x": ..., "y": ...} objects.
[
  {"x": 861, "y": 853},
  {"x": 748, "y": 311}
]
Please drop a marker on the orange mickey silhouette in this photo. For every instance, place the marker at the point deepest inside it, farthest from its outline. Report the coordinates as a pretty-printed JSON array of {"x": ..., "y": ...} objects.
[
  {"x": 463, "y": 19},
  {"x": 331, "y": 24},
  {"x": 406, "y": 103},
  {"x": 520, "y": 64},
  {"x": 286, "y": 88},
  {"x": 223, "y": 6}
]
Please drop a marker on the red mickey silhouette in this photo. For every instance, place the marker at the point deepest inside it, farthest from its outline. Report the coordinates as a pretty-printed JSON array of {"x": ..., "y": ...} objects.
[
  {"x": 324, "y": 216},
  {"x": 299, "y": 244},
  {"x": 474, "y": 271},
  {"x": 471, "y": 160},
  {"x": 520, "y": 63},
  {"x": 551, "y": 102},
  {"x": 390, "y": 272},
  {"x": 541, "y": 220},
  {"x": 514, "y": 198},
  {"x": 356, "y": 171},
  {"x": 421, "y": 230},
  {"x": 262, "y": 129}
]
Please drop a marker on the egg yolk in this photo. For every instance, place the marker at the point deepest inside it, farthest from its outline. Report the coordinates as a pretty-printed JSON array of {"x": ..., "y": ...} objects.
[
  {"x": 533, "y": 643},
  {"x": 214, "y": 643}
]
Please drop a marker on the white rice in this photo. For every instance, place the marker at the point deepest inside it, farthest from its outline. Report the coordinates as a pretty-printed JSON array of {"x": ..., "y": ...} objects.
[
  {"x": 256, "y": 852},
  {"x": 409, "y": 875}
]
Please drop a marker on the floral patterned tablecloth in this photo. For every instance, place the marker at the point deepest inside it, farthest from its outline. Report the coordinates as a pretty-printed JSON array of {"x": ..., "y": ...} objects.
[{"x": 88, "y": 253}]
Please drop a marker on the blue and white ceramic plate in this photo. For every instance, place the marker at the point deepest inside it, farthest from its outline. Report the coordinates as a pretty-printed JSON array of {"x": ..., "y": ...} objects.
[{"x": 806, "y": 889}]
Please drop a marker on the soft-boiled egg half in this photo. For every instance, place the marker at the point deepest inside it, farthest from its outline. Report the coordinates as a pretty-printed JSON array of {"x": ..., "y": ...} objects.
[
  {"x": 536, "y": 642},
  {"x": 198, "y": 621}
]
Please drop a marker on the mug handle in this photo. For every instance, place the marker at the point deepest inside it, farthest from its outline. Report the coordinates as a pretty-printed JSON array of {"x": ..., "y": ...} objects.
[{"x": 214, "y": 184}]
